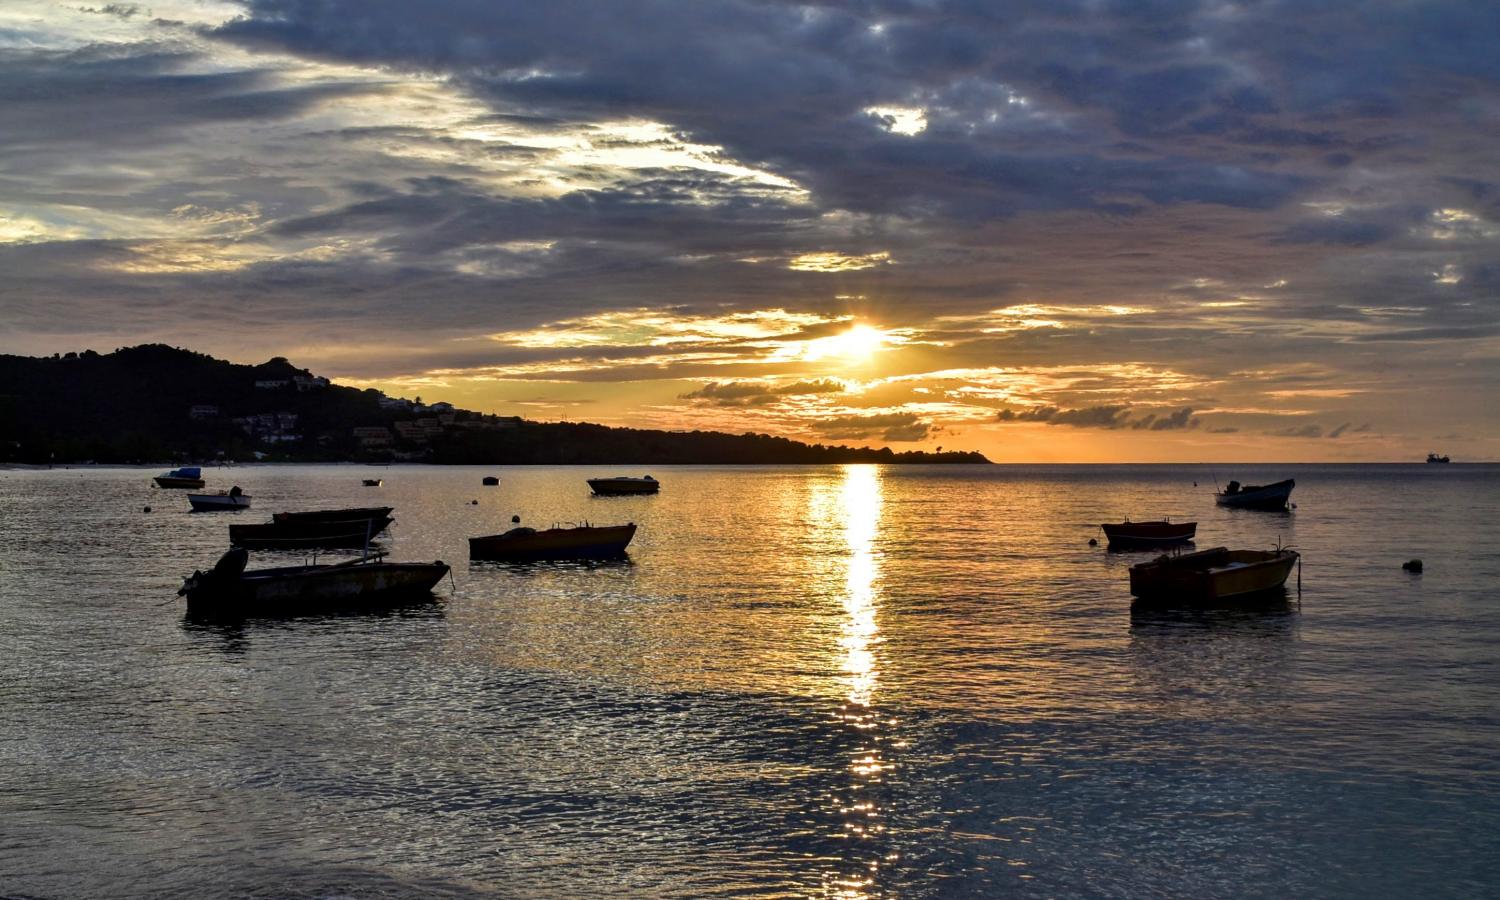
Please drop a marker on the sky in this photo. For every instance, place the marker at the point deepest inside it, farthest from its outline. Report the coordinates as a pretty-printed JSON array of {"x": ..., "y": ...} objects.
[{"x": 1053, "y": 231}]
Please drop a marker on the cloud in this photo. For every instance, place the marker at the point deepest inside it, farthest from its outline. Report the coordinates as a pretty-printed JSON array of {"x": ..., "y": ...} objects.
[
  {"x": 1300, "y": 431},
  {"x": 894, "y": 427},
  {"x": 755, "y": 393}
]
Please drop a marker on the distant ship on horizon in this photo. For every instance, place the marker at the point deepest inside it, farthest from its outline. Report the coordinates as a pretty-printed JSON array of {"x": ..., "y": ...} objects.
[{"x": 1434, "y": 458}]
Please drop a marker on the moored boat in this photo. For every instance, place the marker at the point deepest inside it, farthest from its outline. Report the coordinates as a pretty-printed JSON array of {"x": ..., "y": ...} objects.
[
  {"x": 579, "y": 542},
  {"x": 185, "y": 477},
  {"x": 490, "y": 481},
  {"x": 1148, "y": 534},
  {"x": 234, "y": 498},
  {"x": 374, "y": 482},
  {"x": 1256, "y": 496},
  {"x": 297, "y": 531},
  {"x": 325, "y": 515},
  {"x": 624, "y": 484},
  {"x": 1212, "y": 574},
  {"x": 1434, "y": 458},
  {"x": 229, "y": 588}
]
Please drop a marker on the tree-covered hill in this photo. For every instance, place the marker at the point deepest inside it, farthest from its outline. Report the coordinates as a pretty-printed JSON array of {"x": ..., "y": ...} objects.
[{"x": 155, "y": 403}]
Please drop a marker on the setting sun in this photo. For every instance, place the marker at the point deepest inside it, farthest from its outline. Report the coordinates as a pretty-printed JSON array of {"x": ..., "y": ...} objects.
[{"x": 857, "y": 345}]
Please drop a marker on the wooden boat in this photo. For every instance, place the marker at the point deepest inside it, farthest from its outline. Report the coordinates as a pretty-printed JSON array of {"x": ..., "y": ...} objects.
[
  {"x": 1434, "y": 458},
  {"x": 490, "y": 481},
  {"x": 624, "y": 484},
  {"x": 228, "y": 588},
  {"x": 299, "y": 534},
  {"x": 1147, "y": 534},
  {"x": 234, "y": 498},
  {"x": 374, "y": 482},
  {"x": 185, "y": 477},
  {"x": 580, "y": 542},
  {"x": 1212, "y": 574},
  {"x": 1258, "y": 496}
]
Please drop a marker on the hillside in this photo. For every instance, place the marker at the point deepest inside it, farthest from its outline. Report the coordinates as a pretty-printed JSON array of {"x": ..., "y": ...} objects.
[{"x": 155, "y": 403}]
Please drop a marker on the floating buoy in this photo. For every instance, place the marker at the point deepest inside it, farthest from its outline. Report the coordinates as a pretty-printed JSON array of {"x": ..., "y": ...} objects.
[
  {"x": 473, "y": 502},
  {"x": 1412, "y": 565},
  {"x": 1294, "y": 506},
  {"x": 1093, "y": 542},
  {"x": 147, "y": 509},
  {"x": 516, "y": 520}
]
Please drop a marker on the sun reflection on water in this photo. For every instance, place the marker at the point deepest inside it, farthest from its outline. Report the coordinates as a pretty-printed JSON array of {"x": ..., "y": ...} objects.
[{"x": 855, "y": 510}]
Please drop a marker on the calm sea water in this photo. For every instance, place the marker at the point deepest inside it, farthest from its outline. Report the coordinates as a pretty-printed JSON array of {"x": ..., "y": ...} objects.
[{"x": 857, "y": 681}]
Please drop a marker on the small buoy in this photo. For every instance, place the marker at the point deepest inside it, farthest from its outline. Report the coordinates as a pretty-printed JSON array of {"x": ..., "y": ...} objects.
[
  {"x": 1412, "y": 565},
  {"x": 1294, "y": 506},
  {"x": 147, "y": 509},
  {"x": 1093, "y": 542},
  {"x": 473, "y": 502},
  {"x": 515, "y": 520}
]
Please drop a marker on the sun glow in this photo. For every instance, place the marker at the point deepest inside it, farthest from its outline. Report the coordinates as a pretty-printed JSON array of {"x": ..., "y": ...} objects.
[{"x": 857, "y": 345}]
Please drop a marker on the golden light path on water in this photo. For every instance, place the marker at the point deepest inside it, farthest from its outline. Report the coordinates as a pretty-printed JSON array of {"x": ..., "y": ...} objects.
[{"x": 858, "y": 511}]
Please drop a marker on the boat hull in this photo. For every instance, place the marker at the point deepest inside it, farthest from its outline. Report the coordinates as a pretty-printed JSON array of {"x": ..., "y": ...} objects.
[
  {"x": 167, "y": 481},
  {"x": 298, "y": 535},
  {"x": 299, "y": 589},
  {"x": 1267, "y": 497},
  {"x": 1149, "y": 534},
  {"x": 613, "y": 487},
  {"x": 586, "y": 542},
  {"x": 1210, "y": 575},
  {"x": 218, "y": 502}
]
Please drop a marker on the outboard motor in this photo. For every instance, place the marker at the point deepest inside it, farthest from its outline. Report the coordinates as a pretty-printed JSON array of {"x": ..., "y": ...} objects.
[
  {"x": 1233, "y": 488},
  {"x": 231, "y": 565}
]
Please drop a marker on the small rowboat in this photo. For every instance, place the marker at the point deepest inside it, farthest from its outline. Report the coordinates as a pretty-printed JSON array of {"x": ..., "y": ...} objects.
[
  {"x": 1212, "y": 574},
  {"x": 228, "y": 588},
  {"x": 373, "y": 482},
  {"x": 490, "y": 481},
  {"x": 186, "y": 477},
  {"x": 1258, "y": 496},
  {"x": 624, "y": 484},
  {"x": 1149, "y": 534},
  {"x": 234, "y": 498},
  {"x": 580, "y": 542}
]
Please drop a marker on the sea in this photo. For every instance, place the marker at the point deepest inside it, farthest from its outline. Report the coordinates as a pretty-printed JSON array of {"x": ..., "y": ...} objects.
[{"x": 836, "y": 681}]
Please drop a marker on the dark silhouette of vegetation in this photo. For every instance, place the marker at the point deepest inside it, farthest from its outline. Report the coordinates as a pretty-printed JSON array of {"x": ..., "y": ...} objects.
[{"x": 155, "y": 403}]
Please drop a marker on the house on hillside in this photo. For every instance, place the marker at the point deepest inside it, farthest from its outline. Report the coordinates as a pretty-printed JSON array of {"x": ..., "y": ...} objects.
[
  {"x": 203, "y": 411},
  {"x": 271, "y": 384},
  {"x": 309, "y": 382},
  {"x": 373, "y": 436}
]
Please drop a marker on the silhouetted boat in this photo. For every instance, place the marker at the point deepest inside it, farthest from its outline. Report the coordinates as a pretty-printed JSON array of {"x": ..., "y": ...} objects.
[
  {"x": 234, "y": 498},
  {"x": 1212, "y": 574},
  {"x": 490, "y": 481},
  {"x": 1147, "y": 534},
  {"x": 624, "y": 484},
  {"x": 374, "y": 482},
  {"x": 322, "y": 528},
  {"x": 1259, "y": 496},
  {"x": 354, "y": 512},
  {"x": 1434, "y": 458},
  {"x": 228, "y": 587},
  {"x": 580, "y": 542},
  {"x": 185, "y": 477}
]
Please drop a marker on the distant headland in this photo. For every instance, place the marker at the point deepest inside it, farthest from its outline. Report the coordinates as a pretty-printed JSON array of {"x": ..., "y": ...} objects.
[{"x": 155, "y": 403}]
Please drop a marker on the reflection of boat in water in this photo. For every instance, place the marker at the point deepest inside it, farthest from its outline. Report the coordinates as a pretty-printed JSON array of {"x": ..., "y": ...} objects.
[
  {"x": 1434, "y": 458},
  {"x": 1256, "y": 496},
  {"x": 1212, "y": 574},
  {"x": 234, "y": 498},
  {"x": 228, "y": 587},
  {"x": 579, "y": 542},
  {"x": 625, "y": 484},
  {"x": 318, "y": 528},
  {"x": 1148, "y": 534},
  {"x": 185, "y": 477}
]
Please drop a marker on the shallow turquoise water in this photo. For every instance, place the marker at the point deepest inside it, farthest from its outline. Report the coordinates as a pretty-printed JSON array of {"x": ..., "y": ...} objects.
[{"x": 899, "y": 681}]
